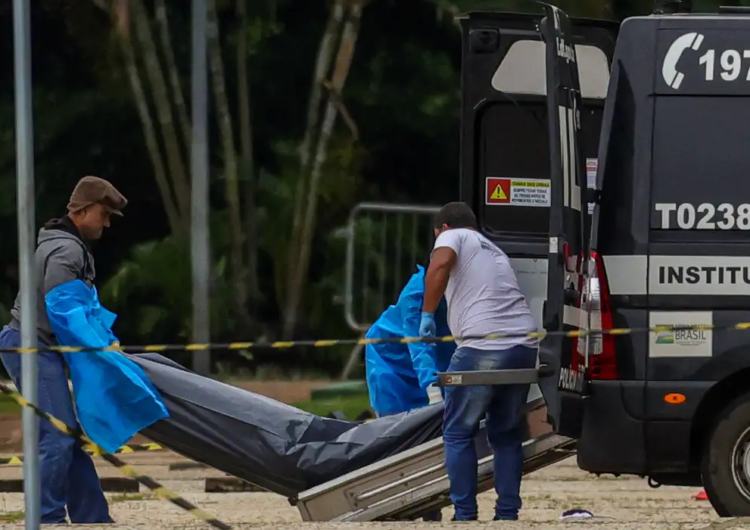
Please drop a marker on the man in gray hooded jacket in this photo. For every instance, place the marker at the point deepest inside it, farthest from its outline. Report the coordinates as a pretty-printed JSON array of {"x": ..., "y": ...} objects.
[{"x": 63, "y": 254}]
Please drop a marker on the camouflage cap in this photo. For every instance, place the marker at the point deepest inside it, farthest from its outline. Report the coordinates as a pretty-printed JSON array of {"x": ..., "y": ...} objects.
[{"x": 95, "y": 190}]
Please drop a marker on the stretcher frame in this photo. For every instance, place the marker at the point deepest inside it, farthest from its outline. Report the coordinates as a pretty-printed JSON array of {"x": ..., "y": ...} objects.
[{"x": 410, "y": 484}]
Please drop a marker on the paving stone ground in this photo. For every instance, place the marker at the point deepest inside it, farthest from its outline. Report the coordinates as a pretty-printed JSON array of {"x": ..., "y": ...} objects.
[{"x": 617, "y": 503}]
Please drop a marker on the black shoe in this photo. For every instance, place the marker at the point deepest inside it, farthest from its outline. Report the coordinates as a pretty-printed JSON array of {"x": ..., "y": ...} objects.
[
  {"x": 454, "y": 520},
  {"x": 496, "y": 518}
]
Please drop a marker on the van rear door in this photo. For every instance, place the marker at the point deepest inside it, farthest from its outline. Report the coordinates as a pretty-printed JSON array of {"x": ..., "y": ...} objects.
[
  {"x": 505, "y": 157},
  {"x": 561, "y": 376},
  {"x": 505, "y": 145}
]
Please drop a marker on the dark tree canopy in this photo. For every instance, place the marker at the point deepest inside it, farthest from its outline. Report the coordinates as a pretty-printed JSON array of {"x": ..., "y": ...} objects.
[{"x": 395, "y": 140}]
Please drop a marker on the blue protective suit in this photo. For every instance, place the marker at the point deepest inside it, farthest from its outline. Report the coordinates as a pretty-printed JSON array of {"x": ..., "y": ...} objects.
[
  {"x": 398, "y": 374},
  {"x": 114, "y": 398}
]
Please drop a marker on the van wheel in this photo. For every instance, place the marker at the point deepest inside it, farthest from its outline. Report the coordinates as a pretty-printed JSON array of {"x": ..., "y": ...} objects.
[{"x": 725, "y": 467}]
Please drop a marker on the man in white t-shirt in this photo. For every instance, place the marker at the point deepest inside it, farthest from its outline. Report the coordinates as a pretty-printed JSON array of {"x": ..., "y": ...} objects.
[{"x": 483, "y": 298}]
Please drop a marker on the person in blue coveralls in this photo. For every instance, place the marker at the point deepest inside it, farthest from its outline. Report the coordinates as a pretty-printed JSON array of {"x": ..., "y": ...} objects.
[
  {"x": 113, "y": 398},
  {"x": 401, "y": 377}
]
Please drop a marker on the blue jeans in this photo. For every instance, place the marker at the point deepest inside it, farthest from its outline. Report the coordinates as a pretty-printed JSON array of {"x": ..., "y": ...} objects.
[
  {"x": 68, "y": 475},
  {"x": 503, "y": 406}
]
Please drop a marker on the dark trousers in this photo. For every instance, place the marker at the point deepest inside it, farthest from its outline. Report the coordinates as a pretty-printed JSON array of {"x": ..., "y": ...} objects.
[
  {"x": 68, "y": 475},
  {"x": 503, "y": 407}
]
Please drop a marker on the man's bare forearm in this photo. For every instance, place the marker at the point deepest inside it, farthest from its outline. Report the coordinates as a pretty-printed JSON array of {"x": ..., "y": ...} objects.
[{"x": 435, "y": 282}]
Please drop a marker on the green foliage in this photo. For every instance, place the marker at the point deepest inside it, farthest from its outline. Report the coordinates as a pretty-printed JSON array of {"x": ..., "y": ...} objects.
[
  {"x": 323, "y": 314},
  {"x": 351, "y": 406},
  {"x": 151, "y": 280},
  {"x": 155, "y": 280}
]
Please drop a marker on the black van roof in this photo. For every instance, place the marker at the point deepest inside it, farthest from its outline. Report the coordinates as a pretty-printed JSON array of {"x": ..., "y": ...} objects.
[{"x": 689, "y": 18}]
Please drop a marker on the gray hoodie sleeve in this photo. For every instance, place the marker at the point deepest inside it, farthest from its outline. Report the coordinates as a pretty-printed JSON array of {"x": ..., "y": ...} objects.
[{"x": 65, "y": 263}]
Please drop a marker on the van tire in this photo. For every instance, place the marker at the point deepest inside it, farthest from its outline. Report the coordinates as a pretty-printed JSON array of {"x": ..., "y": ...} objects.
[{"x": 726, "y": 478}]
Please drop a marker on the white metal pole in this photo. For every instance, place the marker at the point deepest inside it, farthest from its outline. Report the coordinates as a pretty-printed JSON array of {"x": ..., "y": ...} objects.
[
  {"x": 26, "y": 245},
  {"x": 199, "y": 226}
]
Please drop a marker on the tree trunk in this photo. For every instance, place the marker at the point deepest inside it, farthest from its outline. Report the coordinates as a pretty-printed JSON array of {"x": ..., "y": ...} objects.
[
  {"x": 247, "y": 154},
  {"x": 177, "y": 223},
  {"x": 232, "y": 190},
  {"x": 340, "y": 74},
  {"x": 174, "y": 74},
  {"x": 175, "y": 160},
  {"x": 120, "y": 14},
  {"x": 326, "y": 52}
]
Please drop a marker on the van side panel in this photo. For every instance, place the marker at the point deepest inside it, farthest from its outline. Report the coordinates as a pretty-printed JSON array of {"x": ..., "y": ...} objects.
[
  {"x": 672, "y": 226},
  {"x": 505, "y": 138},
  {"x": 614, "y": 437},
  {"x": 699, "y": 218}
]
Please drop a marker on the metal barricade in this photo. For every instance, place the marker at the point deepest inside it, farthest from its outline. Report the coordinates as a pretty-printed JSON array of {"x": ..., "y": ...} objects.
[{"x": 385, "y": 242}]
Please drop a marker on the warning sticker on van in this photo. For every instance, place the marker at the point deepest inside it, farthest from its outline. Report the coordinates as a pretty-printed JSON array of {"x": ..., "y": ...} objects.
[{"x": 517, "y": 192}]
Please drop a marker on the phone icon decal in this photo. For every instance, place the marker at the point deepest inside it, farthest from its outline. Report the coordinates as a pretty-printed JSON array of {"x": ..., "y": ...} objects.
[{"x": 669, "y": 71}]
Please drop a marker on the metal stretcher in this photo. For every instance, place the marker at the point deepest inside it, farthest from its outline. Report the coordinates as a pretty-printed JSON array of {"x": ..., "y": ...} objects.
[{"x": 410, "y": 484}]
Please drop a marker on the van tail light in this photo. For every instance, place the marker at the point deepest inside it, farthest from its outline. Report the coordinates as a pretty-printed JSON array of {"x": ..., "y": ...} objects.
[{"x": 596, "y": 304}]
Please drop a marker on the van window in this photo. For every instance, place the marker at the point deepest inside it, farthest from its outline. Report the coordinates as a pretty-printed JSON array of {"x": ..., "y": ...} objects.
[
  {"x": 701, "y": 164},
  {"x": 522, "y": 70},
  {"x": 514, "y": 155},
  {"x": 514, "y": 158}
]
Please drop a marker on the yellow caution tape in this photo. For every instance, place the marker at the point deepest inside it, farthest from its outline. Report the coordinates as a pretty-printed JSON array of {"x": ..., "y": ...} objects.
[
  {"x": 282, "y": 345},
  {"x": 127, "y": 449},
  {"x": 9, "y": 460},
  {"x": 127, "y": 470}
]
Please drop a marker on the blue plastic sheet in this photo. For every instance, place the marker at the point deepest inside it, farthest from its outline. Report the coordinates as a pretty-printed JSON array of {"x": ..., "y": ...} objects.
[
  {"x": 398, "y": 374},
  {"x": 114, "y": 397}
]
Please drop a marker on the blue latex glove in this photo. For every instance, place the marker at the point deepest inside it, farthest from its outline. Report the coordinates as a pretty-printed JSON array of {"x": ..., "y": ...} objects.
[{"x": 427, "y": 325}]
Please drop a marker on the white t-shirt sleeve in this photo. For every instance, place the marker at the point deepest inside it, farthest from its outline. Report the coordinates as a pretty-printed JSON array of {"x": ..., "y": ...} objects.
[{"x": 450, "y": 239}]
